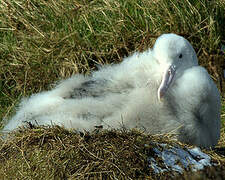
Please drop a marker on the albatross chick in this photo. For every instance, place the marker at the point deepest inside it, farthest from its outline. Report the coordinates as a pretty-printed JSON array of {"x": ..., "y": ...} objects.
[{"x": 160, "y": 90}]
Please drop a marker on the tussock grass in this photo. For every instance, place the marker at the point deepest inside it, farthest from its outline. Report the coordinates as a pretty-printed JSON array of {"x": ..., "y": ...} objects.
[
  {"x": 43, "y": 41},
  {"x": 56, "y": 153}
]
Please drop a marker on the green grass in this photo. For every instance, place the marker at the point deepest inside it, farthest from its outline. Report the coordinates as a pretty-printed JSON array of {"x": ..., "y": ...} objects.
[{"x": 44, "y": 41}]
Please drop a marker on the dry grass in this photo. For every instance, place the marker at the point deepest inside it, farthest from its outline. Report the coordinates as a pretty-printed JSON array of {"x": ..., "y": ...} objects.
[
  {"x": 44, "y": 41},
  {"x": 56, "y": 153}
]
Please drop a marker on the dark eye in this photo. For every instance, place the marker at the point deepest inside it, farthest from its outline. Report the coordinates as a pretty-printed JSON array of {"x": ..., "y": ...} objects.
[{"x": 180, "y": 56}]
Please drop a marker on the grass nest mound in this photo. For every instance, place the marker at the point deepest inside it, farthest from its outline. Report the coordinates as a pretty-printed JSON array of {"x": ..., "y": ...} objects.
[{"x": 57, "y": 153}]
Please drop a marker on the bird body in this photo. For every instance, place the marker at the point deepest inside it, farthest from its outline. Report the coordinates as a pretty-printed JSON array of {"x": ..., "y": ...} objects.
[{"x": 160, "y": 90}]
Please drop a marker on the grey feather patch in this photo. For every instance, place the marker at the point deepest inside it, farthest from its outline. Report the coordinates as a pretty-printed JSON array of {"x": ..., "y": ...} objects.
[{"x": 91, "y": 88}]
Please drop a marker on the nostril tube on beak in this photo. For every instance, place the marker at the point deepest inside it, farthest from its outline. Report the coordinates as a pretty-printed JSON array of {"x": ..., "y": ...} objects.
[{"x": 166, "y": 81}]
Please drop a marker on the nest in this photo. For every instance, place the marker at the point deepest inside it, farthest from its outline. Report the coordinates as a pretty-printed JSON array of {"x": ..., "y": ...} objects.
[{"x": 57, "y": 153}]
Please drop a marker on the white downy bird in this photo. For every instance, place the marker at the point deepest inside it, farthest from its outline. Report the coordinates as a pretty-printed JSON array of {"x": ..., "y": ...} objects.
[{"x": 161, "y": 90}]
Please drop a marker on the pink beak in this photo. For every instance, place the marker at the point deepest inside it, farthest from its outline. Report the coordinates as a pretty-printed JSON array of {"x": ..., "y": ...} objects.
[{"x": 166, "y": 81}]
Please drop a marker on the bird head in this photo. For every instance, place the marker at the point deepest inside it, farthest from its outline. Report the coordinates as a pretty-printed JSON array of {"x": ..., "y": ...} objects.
[{"x": 174, "y": 54}]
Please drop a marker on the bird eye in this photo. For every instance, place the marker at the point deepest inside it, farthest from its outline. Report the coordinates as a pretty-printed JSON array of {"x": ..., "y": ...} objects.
[{"x": 180, "y": 56}]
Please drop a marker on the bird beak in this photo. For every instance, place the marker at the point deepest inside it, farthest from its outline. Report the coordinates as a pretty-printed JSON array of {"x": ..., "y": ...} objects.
[{"x": 166, "y": 81}]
